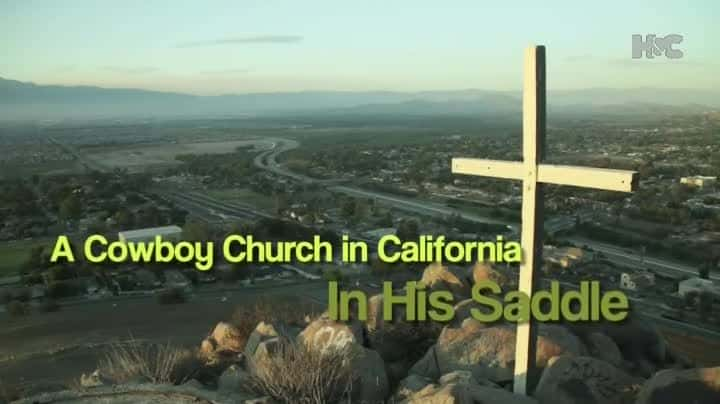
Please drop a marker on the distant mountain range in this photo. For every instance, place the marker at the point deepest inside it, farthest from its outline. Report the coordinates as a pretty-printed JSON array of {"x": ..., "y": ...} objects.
[{"x": 21, "y": 100}]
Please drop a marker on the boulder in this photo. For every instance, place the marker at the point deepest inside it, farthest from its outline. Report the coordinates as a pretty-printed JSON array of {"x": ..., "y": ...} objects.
[
  {"x": 489, "y": 352},
  {"x": 395, "y": 340},
  {"x": 262, "y": 332},
  {"x": 398, "y": 369},
  {"x": 464, "y": 377},
  {"x": 207, "y": 347},
  {"x": 570, "y": 380},
  {"x": 427, "y": 366},
  {"x": 233, "y": 379},
  {"x": 697, "y": 386},
  {"x": 94, "y": 379},
  {"x": 227, "y": 337},
  {"x": 454, "y": 279},
  {"x": 636, "y": 338},
  {"x": 466, "y": 394},
  {"x": 463, "y": 313},
  {"x": 370, "y": 382},
  {"x": 485, "y": 271},
  {"x": 326, "y": 334},
  {"x": 409, "y": 386},
  {"x": 604, "y": 348}
]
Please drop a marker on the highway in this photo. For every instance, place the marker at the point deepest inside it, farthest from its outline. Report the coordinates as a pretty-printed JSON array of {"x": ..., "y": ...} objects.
[{"x": 268, "y": 161}]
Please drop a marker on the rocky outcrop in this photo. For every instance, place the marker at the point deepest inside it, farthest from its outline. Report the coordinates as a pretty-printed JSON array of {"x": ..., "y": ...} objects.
[
  {"x": 604, "y": 348},
  {"x": 570, "y": 380},
  {"x": 325, "y": 334},
  {"x": 454, "y": 279},
  {"x": 489, "y": 353},
  {"x": 697, "y": 386},
  {"x": 234, "y": 379},
  {"x": 456, "y": 388}
]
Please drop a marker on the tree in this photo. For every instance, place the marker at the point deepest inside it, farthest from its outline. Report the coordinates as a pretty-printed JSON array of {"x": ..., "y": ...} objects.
[
  {"x": 704, "y": 306},
  {"x": 70, "y": 208},
  {"x": 408, "y": 230},
  {"x": 704, "y": 270},
  {"x": 124, "y": 218},
  {"x": 196, "y": 231}
]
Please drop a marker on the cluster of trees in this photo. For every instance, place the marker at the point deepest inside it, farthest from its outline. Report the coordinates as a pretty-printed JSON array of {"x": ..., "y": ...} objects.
[{"x": 234, "y": 168}]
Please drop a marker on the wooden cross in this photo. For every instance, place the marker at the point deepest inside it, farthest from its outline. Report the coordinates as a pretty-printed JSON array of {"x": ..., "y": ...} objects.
[{"x": 534, "y": 174}]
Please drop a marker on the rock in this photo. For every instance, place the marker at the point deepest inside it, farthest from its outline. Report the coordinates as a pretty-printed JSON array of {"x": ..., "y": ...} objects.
[
  {"x": 94, "y": 379},
  {"x": 636, "y": 339},
  {"x": 604, "y": 348},
  {"x": 137, "y": 394},
  {"x": 491, "y": 395},
  {"x": 227, "y": 337},
  {"x": 489, "y": 353},
  {"x": 484, "y": 271},
  {"x": 427, "y": 366},
  {"x": 697, "y": 386},
  {"x": 466, "y": 394},
  {"x": 233, "y": 379},
  {"x": 194, "y": 384},
  {"x": 370, "y": 381},
  {"x": 463, "y": 314},
  {"x": 464, "y": 377},
  {"x": 570, "y": 380},
  {"x": 264, "y": 350},
  {"x": 208, "y": 347},
  {"x": 438, "y": 277},
  {"x": 414, "y": 383},
  {"x": 645, "y": 368},
  {"x": 391, "y": 339},
  {"x": 262, "y": 332},
  {"x": 409, "y": 386},
  {"x": 260, "y": 400},
  {"x": 326, "y": 334},
  {"x": 434, "y": 394},
  {"x": 397, "y": 370},
  {"x": 458, "y": 376}
]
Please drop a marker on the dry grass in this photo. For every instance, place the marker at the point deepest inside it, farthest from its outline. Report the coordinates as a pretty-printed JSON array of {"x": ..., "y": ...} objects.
[
  {"x": 298, "y": 374},
  {"x": 161, "y": 364},
  {"x": 290, "y": 313}
]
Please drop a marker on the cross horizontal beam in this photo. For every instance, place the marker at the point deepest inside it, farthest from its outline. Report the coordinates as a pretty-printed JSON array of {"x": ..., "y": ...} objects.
[{"x": 586, "y": 177}]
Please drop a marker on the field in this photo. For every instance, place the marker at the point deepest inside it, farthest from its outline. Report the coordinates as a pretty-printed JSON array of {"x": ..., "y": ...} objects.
[
  {"x": 138, "y": 157},
  {"x": 14, "y": 253}
]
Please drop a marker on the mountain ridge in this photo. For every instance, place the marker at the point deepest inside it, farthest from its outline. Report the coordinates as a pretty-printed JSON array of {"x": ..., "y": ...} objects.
[{"x": 20, "y": 99}]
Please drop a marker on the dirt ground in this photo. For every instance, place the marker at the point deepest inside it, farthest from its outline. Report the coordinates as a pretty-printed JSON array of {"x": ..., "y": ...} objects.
[
  {"x": 703, "y": 351},
  {"x": 46, "y": 350}
]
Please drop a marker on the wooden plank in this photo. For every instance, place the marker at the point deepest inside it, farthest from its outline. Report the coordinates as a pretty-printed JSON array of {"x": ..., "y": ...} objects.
[
  {"x": 586, "y": 177},
  {"x": 532, "y": 210},
  {"x": 488, "y": 168}
]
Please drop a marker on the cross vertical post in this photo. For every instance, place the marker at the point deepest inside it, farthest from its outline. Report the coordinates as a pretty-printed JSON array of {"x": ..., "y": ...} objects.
[
  {"x": 532, "y": 212},
  {"x": 533, "y": 174}
]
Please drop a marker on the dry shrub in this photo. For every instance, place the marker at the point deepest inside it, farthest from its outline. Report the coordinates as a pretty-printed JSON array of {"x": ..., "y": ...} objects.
[
  {"x": 161, "y": 364},
  {"x": 290, "y": 313},
  {"x": 295, "y": 373}
]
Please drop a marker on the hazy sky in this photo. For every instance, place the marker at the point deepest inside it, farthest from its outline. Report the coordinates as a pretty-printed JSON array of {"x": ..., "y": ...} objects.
[{"x": 214, "y": 47}]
